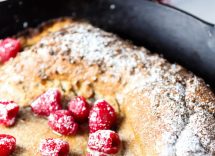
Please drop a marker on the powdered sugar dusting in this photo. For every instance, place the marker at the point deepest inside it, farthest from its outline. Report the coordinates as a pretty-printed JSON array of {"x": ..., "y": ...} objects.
[
  {"x": 178, "y": 106},
  {"x": 52, "y": 147},
  {"x": 47, "y": 103},
  {"x": 8, "y": 112},
  {"x": 7, "y": 144},
  {"x": 6, "y": 140},
  {"x": 147, "y": 73},
  {"x": 102, "y": 116},
  {"x": 104, "y": 142},
  {"x": 80, "y": 36},
  {"x": 191, "y": 146},
  {"x": 62, "y": 122}
]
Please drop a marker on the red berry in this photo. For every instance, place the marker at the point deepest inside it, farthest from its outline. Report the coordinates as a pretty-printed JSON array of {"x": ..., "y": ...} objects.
[
  {"x": 54, "y": 147},
  {"x": 9, "y": 47},
  {"x": 62, "y": 122},
  {"x": 102, "y": 116},
  {"x": 47, "y": 103},
  {"x": 7, "y": 144},
  {"x": 8, "y": 112},
  {"x": 79, "y": 108},
  {"x": 104, "y": 141}
]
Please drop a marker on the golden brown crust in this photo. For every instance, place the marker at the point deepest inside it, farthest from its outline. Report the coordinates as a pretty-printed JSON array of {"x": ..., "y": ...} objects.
[
  {"x": 31, "y": 36},
  {"x": 163, "y": 109}
]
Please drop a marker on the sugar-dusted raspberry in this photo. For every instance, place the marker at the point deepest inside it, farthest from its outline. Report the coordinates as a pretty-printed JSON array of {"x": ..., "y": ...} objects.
[
  {"x": 79, "y": 108},
  {"x": 47, "y": 103},
  {"x": 102, "y": 116},
  {"x": 9, "y": 47},
  {"x": 62, "y": 122},
  {"x": 8, "y": 112},
  {"x": 7, "y": 144},
  {"x": 104, "y": 142},
  {"x": 54, "y": 147}
]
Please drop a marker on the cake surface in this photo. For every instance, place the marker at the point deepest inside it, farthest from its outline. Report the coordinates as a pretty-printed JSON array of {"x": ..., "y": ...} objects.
[{"x": 163, "y": 109}]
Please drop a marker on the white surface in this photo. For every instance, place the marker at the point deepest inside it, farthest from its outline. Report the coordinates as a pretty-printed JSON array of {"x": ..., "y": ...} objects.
[{"x": 204, "y": 9}]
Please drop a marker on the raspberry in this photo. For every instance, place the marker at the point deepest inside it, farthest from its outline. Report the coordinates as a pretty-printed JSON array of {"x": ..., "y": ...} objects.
[
  {"x": 7, "y": 144},
  {"x": 54, "y": 147},
  {"x": 104, "y": 142},
  {"x": 8, "y": 112},
  {"x": 62, "y": 122},
  {"x": 79, "y": 108},
  {"x": 47, "y": 103},
  {"x": 102, "y": 116},
  {"x": 9, "y": 47}
]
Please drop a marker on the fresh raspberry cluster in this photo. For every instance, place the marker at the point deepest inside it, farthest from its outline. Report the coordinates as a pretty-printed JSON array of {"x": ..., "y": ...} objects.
[
  {"x": 101, "y": 118},
  {"x": 102, "y": 141}
]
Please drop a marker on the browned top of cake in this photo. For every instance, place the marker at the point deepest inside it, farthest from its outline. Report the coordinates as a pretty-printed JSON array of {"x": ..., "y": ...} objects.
[{"x": 164, "y": 109}]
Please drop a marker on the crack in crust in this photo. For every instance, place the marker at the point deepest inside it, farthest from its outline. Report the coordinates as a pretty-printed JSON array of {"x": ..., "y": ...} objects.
[{"x": 164, "y": 109}]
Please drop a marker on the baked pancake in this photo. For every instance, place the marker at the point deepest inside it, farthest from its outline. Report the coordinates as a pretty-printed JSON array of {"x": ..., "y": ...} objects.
[{"x": 163, "y": 109}]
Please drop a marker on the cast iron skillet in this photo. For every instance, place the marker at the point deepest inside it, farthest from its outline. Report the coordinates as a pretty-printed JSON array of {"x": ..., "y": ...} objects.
[{"x": 179, "y": 36}]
